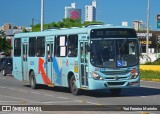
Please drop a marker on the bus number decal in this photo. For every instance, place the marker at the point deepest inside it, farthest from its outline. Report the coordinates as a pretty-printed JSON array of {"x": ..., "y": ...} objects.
[
  {"x": 121, "y": 63},
  {"x": 31, "y": 62}
]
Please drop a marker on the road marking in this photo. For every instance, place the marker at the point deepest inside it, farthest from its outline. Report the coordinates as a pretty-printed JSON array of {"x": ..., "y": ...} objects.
[
  {"x": 22, "y": 99},
  {"x": 16, "y": 90},
  {"x": 56, "y": 102},
  {"x": 23, "y": 102},
  {"x": 17, "y": 102},
  {"x": 12, "y": 89},
  {"x": 83, "y": 101},
  {"x": 62, "y": 98},
  {"x": 93, "y": 103},
  {"x": 2, "y": 78},
  {"x": 3, "y": 87},
  {"x": 21, "y": 90},
  {"x": 35, "y": 93},
  {"x": 8, "y": 101},
  {"x": 48, "y": 95}
]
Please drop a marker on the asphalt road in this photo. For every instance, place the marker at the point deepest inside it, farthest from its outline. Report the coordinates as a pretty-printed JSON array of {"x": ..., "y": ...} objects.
[{"x": 14, "y": 92}]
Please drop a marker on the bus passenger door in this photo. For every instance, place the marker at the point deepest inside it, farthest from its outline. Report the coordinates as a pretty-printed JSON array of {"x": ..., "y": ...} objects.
[
  {"x": 24, "y": 63},
  {"x": 49, "y": 62},
  {"x": 84, "y": 63}
]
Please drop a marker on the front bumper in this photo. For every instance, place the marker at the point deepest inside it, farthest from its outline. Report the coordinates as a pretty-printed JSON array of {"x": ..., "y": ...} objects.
[{"x": 108, "y": 84}]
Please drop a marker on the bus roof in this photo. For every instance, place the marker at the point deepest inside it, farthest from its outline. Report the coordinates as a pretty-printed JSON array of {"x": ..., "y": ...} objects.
[{"x": 62, "y": 31}]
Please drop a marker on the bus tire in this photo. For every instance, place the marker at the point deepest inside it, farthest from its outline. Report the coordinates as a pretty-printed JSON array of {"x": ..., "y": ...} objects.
[
  {"x": 73, "y": 87},
  {"x": 115, "y": 92},
  {"x": 32, "y": 80},
  {"x": 4, "y": 72}
]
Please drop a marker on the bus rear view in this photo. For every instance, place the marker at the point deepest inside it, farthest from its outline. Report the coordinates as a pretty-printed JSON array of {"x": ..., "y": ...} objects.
[{"x": 114, "y": 59}]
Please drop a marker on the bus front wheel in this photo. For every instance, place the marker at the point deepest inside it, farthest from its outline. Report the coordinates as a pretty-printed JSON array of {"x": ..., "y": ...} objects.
[
  {"x": 73, "y": 87},
  {"x": 33, "y": 80},
  {"x": 115, "y": 92}
]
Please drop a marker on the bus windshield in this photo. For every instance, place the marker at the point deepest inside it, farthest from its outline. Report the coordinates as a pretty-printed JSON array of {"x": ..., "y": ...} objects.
[{"x": 113, "y": 53}]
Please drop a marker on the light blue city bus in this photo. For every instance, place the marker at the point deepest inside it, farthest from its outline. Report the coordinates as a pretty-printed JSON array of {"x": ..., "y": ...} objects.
[{"x": 87, "y": 58}]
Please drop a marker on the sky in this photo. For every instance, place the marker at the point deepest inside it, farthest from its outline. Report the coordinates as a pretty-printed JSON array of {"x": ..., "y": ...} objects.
[{"x": 21, "y": 12}]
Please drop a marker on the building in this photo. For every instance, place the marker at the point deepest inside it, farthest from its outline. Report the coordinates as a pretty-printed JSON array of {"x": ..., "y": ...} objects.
[
  {"x": 124, "y": 23},
  {"x": 9, "y": 31},
  {"x": 139, "y": 25},
  {"x": 90, "y": 11},
  {"x": 72, "y": 12},
  {"x": 153, "y": 46},
  {"x": 141, "y": 28},
  {"x": 7, "y": 27},
  {"x": 153, "y": 43},
  {"x": 1, "y": 28}
]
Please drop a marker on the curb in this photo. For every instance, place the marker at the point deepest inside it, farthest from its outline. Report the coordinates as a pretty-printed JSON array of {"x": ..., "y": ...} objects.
[{"x": 153, "y": 80}]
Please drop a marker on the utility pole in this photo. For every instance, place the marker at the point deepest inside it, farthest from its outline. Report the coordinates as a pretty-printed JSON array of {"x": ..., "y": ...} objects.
[
  {"x": 148, "y": 18},
  {"x": 32, "y": 23},
  {"x": 42, "y": 14}
]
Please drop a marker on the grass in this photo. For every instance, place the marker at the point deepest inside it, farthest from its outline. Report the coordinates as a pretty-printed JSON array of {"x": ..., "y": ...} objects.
[
  {"x": 150, "y": 75},
  {"x": 153, "y": 74}
]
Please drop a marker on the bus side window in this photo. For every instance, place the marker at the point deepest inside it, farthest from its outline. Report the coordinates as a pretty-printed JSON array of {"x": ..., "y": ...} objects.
[
  {"x": 57, "y": 47},
  {"x": 60, "y": 46},
  {"x": 72, "y": 45},
  {"x": 17, "y": 47},
  {"x": 32, "y": 46},
  {"x": 40, "y": 46}
]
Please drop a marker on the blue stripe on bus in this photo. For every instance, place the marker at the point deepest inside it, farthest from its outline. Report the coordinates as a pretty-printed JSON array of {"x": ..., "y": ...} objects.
[{"x": 57, "y": 71}]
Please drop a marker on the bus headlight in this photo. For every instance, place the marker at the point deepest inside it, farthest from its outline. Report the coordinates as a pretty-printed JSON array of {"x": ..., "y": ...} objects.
[
  {"x": 96, "y": 76},
  {"x": 134, "y": 74}
]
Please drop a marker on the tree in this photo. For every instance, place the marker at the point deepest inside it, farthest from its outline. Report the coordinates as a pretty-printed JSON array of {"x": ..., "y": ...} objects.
[
  {"x": 5, "y": 44},
  {"x": 60, "y": 24},
  {"x": 92, "y": 23},
  {"x": 66, "y": 23},
  {"x": 24, "y": 30},
  {"x": 77, "y": 22},
  {"x": 36, "y": 27},
  {"x": 69, "y": 22},
  {"x": 53, "y": 24}
]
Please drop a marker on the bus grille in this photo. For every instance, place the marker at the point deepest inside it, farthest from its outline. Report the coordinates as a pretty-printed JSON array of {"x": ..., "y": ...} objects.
[
  {"x": 113, "y": 78},
  {"x": 115, "y": 72},
  {"x": 115, "y": 83}
]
